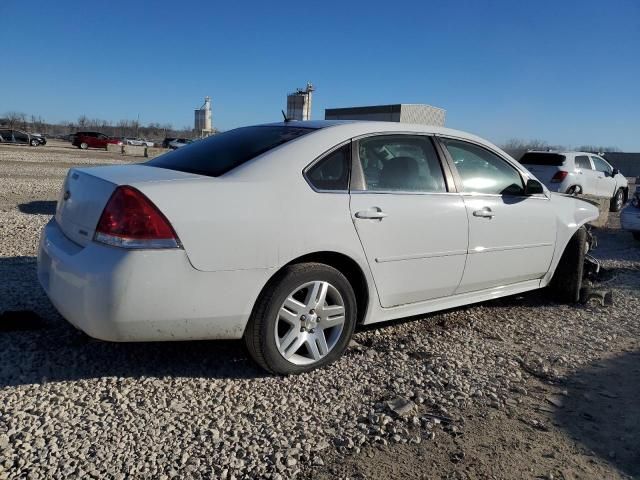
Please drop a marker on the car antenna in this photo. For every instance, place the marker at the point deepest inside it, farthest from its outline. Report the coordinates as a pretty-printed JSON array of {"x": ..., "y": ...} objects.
[{"x": 286, "y": 119}]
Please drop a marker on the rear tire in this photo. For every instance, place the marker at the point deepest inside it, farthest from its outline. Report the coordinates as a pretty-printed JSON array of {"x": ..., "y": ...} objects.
[
  {"x": 310, "y": 334},
  {"x": 34, "y": 143},
  {"x": 617, "y": 202},
  {"x": 84, "y": 146},
  {"x": 574, "y": 190},
  {"x": 567, "y": 279},
  {"x": 636, "y": 235}
]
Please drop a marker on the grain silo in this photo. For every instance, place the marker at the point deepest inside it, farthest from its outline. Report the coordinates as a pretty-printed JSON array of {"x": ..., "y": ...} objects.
[
  {"x": 299, "y": 103},
  {"x": 202, "y": 120}
]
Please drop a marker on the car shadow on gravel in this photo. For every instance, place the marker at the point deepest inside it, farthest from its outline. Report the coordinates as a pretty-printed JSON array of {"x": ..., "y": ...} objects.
[
  {"x": 602, "y": 410},
  {"x": 37, "y": 345},
  {"x": 38, "y": 207}
]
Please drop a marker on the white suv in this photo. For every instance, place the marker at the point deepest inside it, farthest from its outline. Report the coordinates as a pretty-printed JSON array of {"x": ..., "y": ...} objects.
[{"x": 578, "y": 173}]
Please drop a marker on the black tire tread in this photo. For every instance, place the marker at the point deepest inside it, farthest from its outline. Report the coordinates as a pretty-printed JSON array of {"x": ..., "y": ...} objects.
[
  {"x": 613, "y": 207},
  {"x": 567, "y": 279}
]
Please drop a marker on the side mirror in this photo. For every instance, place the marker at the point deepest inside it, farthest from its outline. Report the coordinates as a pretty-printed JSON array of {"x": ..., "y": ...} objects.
[
  {"x": 615, "y": 172},
  {"x": 533, "y": 187}
]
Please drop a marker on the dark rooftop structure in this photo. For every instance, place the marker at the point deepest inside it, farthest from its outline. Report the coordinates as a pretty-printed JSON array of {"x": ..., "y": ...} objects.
[{"x": 627, "y": 163}]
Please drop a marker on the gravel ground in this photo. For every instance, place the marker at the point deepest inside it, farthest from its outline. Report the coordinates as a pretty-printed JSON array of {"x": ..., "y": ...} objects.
[{"x": 410, "y": 390}]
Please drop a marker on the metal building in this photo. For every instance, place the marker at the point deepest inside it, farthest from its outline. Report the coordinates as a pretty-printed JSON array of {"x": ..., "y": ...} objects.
[
  {"x": 402, "y": 112},
  {"x": 299, "y": 103},
  {"x": 627, "y": 163},
  {"x": 202, "y": 119}
]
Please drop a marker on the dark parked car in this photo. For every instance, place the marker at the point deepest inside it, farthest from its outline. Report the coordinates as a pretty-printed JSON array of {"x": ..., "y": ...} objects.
[
  {"x": 19, "y": 137},
  {"x": 39, "y": 138},
  {"x": 167, "y": 141},
  {"x": 86, "y": 140}
]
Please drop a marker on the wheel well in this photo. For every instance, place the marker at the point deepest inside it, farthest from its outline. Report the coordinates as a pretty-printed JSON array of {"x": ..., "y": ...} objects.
[{"x": 349, "y": 268}]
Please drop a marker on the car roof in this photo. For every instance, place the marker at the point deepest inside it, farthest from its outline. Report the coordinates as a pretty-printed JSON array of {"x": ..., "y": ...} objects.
[
  {"x": 363, "y": 127},
  {"x": 563, "y": 152}
]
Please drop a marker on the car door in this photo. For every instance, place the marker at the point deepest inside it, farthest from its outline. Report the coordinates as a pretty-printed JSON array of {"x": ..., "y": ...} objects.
[
  {"x": 6, "y": 136},
  {"x": 606, "y": 184},
  {"x": 101, "y": 140},
  {"x": 587, "y": 176},
  {"x": 511, "y": 235},
  {"x": 410, "y": 220},
  {"x": 20, "y": 137}
]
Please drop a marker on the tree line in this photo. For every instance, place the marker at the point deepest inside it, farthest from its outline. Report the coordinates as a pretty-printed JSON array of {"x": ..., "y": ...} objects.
[
  {"x": 121, "y": 128},
  {"x": 519, "y": 145}
]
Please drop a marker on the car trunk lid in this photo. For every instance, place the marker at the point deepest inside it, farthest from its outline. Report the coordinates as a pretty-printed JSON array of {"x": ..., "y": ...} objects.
[{"x": 86, "y": 191}]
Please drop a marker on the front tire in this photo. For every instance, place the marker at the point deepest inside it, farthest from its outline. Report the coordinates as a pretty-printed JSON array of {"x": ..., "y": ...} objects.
[
  {"x": 84, "y": 146},
  {"x": 636, "y": 235},
  {"x": 617, "y": 202},
  {"x": 34, "y": 143},
  {"x": 567, "y": 279},
  {"x": 303, "y": 319}
]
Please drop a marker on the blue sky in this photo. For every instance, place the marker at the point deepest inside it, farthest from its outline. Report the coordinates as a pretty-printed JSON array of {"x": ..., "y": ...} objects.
[{"x": 567, "y": 72}]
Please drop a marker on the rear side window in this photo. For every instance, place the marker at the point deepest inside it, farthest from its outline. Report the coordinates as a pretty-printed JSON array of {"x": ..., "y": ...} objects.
[
  {"x": 403, "y": 163},
  {"x": 582, "y": 161},
  {"x": 218, "y": 154},
  {"x": 332, "y": 172},
  {"x": 537, "y": 158}
]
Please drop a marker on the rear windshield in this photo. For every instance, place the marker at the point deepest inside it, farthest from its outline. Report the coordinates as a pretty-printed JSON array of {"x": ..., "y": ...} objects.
[
  {"x": 535, "y": 158},
  {"x": 218, "y": 154}
]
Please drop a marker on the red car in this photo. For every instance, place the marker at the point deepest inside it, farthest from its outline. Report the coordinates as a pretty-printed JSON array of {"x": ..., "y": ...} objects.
[{"x": 86, "y": 140}]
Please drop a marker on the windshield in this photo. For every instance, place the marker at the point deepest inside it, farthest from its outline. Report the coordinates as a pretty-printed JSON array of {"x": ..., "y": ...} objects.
[{"x": 218, "y": 154}]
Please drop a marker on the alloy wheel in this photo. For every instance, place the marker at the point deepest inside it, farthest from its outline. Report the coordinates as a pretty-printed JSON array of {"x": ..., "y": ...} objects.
[
  {"x": 619, "y": 199},
  {"x": 310, "y": 323}
]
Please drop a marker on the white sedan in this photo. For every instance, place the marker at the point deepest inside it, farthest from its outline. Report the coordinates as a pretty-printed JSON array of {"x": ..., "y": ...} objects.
[
  {"x": 140, "y": 142},
  {"x": 290, "y": 234}
]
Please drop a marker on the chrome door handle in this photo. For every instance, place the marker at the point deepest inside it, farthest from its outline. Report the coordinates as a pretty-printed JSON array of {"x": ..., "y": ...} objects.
[
  {"x": 484, "y": 213},
  {"x": 374, "y": 213}
]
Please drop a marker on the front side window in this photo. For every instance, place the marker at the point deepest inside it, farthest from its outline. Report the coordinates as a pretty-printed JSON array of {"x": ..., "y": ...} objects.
[
  {"x": 218, "y": 154},
  {"x": 482, "y": 171},
  {"x": 582, "y": 161},
  {"x": 332, "y": 172},
  {"x": 404, "y": 163},
  {"x": 601, "y": 165}
]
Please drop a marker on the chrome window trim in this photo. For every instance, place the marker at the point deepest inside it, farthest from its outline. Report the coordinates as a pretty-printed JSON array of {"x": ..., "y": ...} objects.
[
  {"x": 400, "y": 192},
  {"x": 321, "y": 157},
  {"x": 537, "y": 196}
]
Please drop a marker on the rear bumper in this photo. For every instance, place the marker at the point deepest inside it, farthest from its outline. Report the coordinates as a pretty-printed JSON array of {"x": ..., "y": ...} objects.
[{"x": 145, "y": 295}]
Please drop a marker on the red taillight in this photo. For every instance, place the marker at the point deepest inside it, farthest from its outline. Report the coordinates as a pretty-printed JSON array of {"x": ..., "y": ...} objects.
[
  {"x": 130, "y": 220},
  {"x": 559, "y": 176}
]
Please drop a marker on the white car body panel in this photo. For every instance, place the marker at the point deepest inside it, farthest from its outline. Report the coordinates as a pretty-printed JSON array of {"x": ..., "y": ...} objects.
[
  {"x": 520, "y": 239},
  {"x": 240, "y": 229},
  {"x": 403, "y": 263}
]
